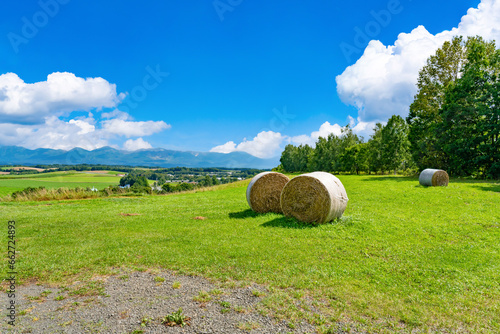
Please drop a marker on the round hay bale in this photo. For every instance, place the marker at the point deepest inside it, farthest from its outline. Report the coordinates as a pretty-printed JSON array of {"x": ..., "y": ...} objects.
[
  {"x": 433, "y": 178},
  {"x": 264, "y": 191},
  {"x": 317, "y": 197}
]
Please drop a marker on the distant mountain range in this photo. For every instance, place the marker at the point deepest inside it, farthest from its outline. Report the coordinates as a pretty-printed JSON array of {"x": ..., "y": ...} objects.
[{"x": 155, "y": 157}]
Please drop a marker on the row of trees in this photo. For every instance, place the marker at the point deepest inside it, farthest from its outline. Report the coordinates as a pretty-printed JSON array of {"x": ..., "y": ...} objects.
[
  {"x": 453, "y": 123},
  {"x": 207, "y": 181},
  {"x": 387, "y": 150}
]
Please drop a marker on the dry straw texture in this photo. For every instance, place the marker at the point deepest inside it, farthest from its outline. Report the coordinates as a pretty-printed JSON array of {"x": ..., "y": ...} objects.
[
  {"x": 433, "y": 177},
  {"x": 317, "y": 197},
  {"x": 263, "y": 192}
]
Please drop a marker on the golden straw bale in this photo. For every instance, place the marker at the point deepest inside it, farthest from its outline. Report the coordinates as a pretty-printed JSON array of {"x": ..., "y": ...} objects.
[
  {"x": 264, "y": 191},
  {"x": 316, "y": 197}
]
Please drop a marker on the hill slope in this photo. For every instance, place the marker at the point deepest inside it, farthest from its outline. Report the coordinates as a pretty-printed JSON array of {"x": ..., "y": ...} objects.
[{"x": 393, "y": 263}]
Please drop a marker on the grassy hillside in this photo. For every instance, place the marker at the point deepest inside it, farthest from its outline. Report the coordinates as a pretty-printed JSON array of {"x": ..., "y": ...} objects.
[
  {"x": 11, "y": 183},
  {"x": 403, "y": 256}
]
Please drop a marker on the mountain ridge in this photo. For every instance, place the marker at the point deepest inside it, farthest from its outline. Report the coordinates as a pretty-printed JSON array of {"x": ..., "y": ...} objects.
[{"x": 154, "y": 157}]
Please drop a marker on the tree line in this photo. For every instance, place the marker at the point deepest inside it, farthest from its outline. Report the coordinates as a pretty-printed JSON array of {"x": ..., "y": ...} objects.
[
  {"x": 453, "y": 123},
  {"x": 387, "y": 150}
]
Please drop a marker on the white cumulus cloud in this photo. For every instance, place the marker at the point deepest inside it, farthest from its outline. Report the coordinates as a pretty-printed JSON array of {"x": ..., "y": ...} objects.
[
  {"x": 118, "y": 114},
  {"x": 324, "y": 131},
  {"x": 136, "y": 144},
  {"x": 84, "y": 126},
  {"x": 38, "y": 115},
  {"x": 133, "y": 129},
  {"x": 82, "y": 132},
  {"x": 266, "y": 144},
  {"x": 62, "y": 92},
  {"x": 54, "y": 133},
  {"x": 363, "y": 129},
  {"x": 228, "y": 147},
  {"x": 383, "y": 81}
]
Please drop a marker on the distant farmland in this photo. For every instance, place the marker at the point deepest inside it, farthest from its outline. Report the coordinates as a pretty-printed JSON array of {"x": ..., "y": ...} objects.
[{"x": 70, "y": 179}]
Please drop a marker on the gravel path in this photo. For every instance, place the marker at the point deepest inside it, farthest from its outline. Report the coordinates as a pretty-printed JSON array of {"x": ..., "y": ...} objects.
[{"x": 119, "y": 304}]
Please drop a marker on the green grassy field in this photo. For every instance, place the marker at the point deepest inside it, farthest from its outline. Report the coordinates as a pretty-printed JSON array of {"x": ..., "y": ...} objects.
[
  {"x": 403, "y": 257},
  {"x": 72, "y": 179}
]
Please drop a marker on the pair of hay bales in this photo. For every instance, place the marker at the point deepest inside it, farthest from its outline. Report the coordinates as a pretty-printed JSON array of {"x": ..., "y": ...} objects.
[
  {"x": 316, "y": 197},
  {"x": 433, "y": 178}
]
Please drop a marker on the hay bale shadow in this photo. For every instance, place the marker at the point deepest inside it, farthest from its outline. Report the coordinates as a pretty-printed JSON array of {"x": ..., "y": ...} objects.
[
  {"x": 290, "y": 222},
  {"x": 493, "y": 188},
  {"x": 287, "y": 222},
  {"x": 248, "y": 213}
]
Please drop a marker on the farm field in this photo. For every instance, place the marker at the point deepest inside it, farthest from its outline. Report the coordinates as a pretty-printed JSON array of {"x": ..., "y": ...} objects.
[
  {"x": 403, "y": 256},
  {"x": 73, "y": 179}
]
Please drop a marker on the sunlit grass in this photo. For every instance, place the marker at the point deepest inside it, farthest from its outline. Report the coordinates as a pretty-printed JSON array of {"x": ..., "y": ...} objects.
[
  {"x": 54, "y": 180},
  {"x": 403, "y": 256}
]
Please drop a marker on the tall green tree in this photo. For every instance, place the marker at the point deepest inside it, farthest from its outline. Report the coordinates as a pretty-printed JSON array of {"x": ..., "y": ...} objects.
[
  {"x": 207, "y": 181},
  {"x": 325, "y": 154},
  {"x": 375, "y": 162},
  {"x": 469, "y": 132},
  {"x": 287, "y": 158},
  {"x": 347, "y": 140},
  {"x": 395, "y": 143},
  {"x": 302, "y": 158},
  {"x": 355, "y": 158},
  {"x": 442, "y": 69},
  {"x": 295, "y": 159}
]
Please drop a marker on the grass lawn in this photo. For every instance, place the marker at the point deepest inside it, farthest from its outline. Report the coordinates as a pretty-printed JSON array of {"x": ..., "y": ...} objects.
[
  {"x": 402, "y": 257},
  {"x": 11, "y": 183}
]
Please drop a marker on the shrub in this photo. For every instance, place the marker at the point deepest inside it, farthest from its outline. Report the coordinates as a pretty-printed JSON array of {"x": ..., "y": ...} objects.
[
  {"x": 134, "y": 179},
  {"x": 138, "y": 188}
]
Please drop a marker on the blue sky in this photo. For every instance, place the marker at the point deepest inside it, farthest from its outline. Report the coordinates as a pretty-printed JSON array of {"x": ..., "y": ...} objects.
[{"x": 218, "y": 75}]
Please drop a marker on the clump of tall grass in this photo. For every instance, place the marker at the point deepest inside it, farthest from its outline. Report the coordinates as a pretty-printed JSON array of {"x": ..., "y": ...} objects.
[{"x": 44, "y": 194}]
